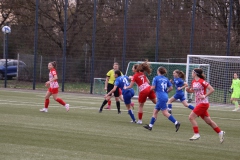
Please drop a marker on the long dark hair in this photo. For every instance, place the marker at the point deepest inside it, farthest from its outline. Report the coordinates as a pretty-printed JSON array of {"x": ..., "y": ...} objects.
[{"x": 199, "y": 73}]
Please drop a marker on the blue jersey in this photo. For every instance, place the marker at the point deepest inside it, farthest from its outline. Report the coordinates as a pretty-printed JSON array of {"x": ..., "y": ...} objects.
[
  {"x": 121, "y": 82},
  {"x": 178, "y": 83},
  {"x": 161, "y": 84}
]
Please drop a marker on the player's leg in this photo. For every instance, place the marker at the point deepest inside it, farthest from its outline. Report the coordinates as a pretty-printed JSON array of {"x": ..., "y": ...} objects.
[
  {"x": 127, "y": 95},
  {"x": 142, "y": 97},
  {"x": 184, "y": 102},
  {"x": 105, "y": 101},
  {"x": 116, "y": 94},
  {"x": 234, "y": 100},
  {"x": 47, "y": 101},
  {"x": 109, "y": 88},
  {"x": 59, "y": 100},
  {"x": 169, "y": 104},
  {"x": 215, "y": 127},
  {"x": 170, "y": 117},
  {"x": 199, "y": 110}
]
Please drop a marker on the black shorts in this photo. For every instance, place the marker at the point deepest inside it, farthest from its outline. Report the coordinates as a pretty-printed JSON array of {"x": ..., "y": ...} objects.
[{"x": 110, "y": 87}]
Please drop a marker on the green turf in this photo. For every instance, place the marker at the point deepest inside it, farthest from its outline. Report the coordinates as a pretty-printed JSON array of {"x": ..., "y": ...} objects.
[{"x": 83, "y": 133}]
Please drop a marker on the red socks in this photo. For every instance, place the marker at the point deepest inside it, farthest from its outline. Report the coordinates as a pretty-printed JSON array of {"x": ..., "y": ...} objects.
[
  {"x": 59, "y": 100},
  {"x": 109, "y": 102},
  {"x": 46, "y": 103},
  {"x": 217, "y": 129},
  {"x": 140, "y": 115},
  {"x": 195, "y": 129}
]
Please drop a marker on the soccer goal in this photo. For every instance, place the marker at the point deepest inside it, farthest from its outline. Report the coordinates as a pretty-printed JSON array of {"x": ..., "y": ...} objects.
[
  {"x": 170, "y": 68},
  {"x": 219, "y": 74}
]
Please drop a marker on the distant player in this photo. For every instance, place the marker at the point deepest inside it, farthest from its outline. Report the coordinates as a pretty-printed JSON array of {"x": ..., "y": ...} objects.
[
  {"x": 236, "y": 91},
  {"x": 144, "y": 87},
  {"x": 199, "y": 87},
  {"x": 122, "y": 82},
  {"x": 179, "y": 78},
  {"x": 162, "y": 86},
  {"x": 52, "y": 85}
]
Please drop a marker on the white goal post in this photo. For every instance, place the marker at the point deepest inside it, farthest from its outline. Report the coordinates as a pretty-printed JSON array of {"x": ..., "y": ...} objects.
[{"x": 219, "y": 74}]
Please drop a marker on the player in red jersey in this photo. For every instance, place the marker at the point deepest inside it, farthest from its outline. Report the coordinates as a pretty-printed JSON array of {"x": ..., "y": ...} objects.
[
  {"x": 144, "y": 87},
  {"x": 199, "y": 87},
  {"x": 52, "y": 85}
]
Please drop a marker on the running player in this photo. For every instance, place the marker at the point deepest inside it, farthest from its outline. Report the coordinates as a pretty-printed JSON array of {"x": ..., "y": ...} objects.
[
  {"x": 162, "y": 86},
  {"x": 121, "y": 82},
  {"x": 52, "y": 85},
  {"x": 144, "y": 87},
  {"x": 199, "y": 87},
  {"x": 236, "y": 91},
  {"x": 179, "y": 78}
]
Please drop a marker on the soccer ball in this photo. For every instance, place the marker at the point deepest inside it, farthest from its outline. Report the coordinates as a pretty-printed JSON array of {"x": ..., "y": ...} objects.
[{"x": 6, "y": 29}]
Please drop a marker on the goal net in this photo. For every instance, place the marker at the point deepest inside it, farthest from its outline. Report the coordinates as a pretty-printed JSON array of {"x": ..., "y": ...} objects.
[
  {"x": 170, "y": 68},
  {"x": 219, "y": 74}
]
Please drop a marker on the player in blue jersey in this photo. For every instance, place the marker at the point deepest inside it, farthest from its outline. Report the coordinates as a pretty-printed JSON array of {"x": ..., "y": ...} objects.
[
  {"x": 179, "y": 78},
  {"x": 122, "y": 82},
  {"x": 162, "y": 86}
]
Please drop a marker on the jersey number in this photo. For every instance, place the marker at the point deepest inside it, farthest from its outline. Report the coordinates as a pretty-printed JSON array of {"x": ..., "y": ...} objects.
[{"x": 164, "y": 86}]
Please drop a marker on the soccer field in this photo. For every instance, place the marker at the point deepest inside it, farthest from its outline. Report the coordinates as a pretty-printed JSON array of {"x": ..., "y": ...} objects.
[{"x": 84, "y": 134}]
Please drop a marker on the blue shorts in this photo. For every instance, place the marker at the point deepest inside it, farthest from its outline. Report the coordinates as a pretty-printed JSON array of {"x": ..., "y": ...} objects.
[
  {"x": 161, "y": 105},
  {"x": 127, "y": 95},
  {"x": 179, "y": 96}
]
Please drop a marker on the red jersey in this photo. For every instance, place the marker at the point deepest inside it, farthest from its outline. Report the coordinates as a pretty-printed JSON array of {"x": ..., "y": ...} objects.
[
  {"x": 141, "y": 80},
  {"x": 200, "y": 88},
  {"x": 52, "y": 73}
]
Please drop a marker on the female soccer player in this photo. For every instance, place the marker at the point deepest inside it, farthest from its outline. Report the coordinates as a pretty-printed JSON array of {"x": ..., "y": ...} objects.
[
  {"x": 236, "y": 91},
  {"x": 179, "y": 77},
  {"x": 199, "y": 87},
  {"x": 120, "y": 82},
  {"x": 52, "y": 85},
  {"x": 162, "y": 86},
  {"x": 144, "y": 87}
]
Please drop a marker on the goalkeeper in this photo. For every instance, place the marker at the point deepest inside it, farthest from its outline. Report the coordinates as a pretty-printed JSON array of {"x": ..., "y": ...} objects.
[{"x": 235, "y": 90}]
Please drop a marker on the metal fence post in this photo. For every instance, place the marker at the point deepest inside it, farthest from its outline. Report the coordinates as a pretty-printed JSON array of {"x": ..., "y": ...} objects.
[
  {"x": 35, "y": 44},
  {"x": 193, "y": 26},
  {"x": 64, "y": 44},
  {"x": 93, "y": 44},
  {"x": 124, "y": 35},
  {"x": 157, "y": 30}
]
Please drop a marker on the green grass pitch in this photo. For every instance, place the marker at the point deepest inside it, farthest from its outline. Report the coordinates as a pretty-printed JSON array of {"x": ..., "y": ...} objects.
[{"x": 84, "y": 134}]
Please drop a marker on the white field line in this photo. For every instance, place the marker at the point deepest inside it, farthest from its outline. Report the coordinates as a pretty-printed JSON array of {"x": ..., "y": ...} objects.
[{"x": 86, "y": 108}]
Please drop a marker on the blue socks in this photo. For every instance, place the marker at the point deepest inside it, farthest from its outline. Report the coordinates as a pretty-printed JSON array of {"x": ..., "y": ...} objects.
[
  {"x": 130, "y": 112},
  {"x": 169, "y": 106},
  {"x": 172, "y": 119},
  {"x": 190, "y": 107}
]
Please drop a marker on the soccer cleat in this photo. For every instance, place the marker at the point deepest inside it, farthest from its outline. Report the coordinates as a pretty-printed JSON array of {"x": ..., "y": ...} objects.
[
  {"x": 236, "y": 109},
  {"x": 133, "y": 121},
  {"x": 221, "y": 136},
  {"x": 108, "y": 107},
  {"x": 132, "y": 105},
  {"x": 169, "y": 111},
  {"x": 100, "y": 110},
  {"x": 119, "y": 112},
  {"x": 43, "y": 110},
  {"x": 67, "y": 106},
  {"x": 139, "y": 122},
  {"x": 148, "y": 127},
  {"x": 194, "y": 137},
  {"x": 177, "y": 126}
]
